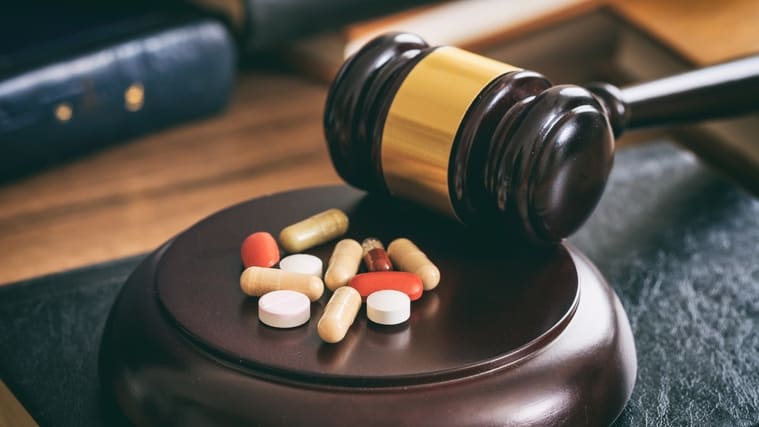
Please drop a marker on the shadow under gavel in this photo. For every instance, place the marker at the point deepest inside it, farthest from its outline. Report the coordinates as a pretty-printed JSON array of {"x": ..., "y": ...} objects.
[{"x": 499, "y": 148}]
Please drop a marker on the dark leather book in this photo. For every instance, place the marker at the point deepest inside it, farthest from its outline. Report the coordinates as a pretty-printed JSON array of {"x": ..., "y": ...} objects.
[
  {"x": 263, "y": 24},
  {"x": 675, "y": 240},
  {"x": 75, "y": 78}
]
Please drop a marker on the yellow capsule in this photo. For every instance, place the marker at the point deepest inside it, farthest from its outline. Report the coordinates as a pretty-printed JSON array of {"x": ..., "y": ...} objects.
[
  {"x": 257, "y": 281},
  {"x": 339, "y": 314},
  {"x": 407, "y": 257},
  {"x": 314, "y": 230},
  {"x": 343, "y": 264}
]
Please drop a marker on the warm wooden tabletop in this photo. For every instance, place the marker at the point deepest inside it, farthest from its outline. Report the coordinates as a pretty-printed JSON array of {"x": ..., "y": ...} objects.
[
  {"x": 129, "y": 199},
  {"x": 701, "y": 31}
]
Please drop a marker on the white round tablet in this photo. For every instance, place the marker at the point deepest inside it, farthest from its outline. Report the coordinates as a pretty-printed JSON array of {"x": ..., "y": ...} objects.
[
  {"x": 302, "y": 263},
  {"x": 284, "y": 309},
  {"x": 388, "y": 307}
]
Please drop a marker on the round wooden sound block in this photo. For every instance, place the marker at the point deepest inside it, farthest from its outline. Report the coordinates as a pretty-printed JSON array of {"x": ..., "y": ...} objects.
[{"x": 511, "y": 336}]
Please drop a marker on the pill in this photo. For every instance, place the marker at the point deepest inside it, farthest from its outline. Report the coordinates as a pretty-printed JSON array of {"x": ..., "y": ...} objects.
[
  {"x": 314, "y": 230},
  {"x": 339, "y": 314},
  {"x": 343, "y": 264},
  {"x": 257, "y": 281},
  {"x": 302, "y": 263},
  {"x": 388, "y": 307},
  {"x": 407, "y": 257},
  {"x": 259, "y": 249},
  {"x": 284, "y": 309},
  {"x": 375, "y": 257},
  {"x": 368, "y": 283}
]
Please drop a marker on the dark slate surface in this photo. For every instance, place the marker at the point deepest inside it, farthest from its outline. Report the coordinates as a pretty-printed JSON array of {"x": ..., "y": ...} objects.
[
  {"x": 679, "y": 244},
  {"x": 681, "y": 247},
  {"x": 50, "y": 330}
]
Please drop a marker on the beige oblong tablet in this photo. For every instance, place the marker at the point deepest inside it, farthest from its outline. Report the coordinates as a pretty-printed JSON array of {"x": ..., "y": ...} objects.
[
  {"x": 257, "y": 281},
  {"x": 407, "y": 257},
  {"x": 339, "y": 314},
  {"x": 343, "y": 264},
  {"x": 314, "y": 230}
]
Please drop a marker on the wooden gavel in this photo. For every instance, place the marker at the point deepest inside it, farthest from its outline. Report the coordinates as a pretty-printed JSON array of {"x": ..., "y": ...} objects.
[{"x": 497, "y": 147}]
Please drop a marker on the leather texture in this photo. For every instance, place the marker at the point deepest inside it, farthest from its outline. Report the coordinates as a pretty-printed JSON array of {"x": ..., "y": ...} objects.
[
  {"x": 676, "y": 241},
  {"x": 680, "y": 245},
  {"x": 184, "y": 70}
]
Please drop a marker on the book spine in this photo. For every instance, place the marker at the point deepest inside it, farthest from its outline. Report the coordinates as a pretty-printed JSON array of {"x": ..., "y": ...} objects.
[{"x": 115, "y": 92}]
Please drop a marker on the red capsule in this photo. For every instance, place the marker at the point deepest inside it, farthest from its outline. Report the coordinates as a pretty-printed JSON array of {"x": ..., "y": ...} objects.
[
  {"x": 375, "y": 257},
  {"x": 259, "y": 250},
  {"x": 368, "y": 283}
]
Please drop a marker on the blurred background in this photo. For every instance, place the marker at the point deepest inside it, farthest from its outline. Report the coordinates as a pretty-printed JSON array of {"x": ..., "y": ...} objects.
[{"x": 124, "y": 122}]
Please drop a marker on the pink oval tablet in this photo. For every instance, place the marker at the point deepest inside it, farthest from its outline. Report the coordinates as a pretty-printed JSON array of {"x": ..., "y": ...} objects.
[{"x": 284, "y": 309}]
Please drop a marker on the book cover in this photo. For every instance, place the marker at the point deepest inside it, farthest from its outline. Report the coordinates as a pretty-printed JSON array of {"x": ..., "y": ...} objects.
[
  {"x": 78, "y": 78},
  {"x": 267, "y": 24},
  {"x": 470, "y": 24}
]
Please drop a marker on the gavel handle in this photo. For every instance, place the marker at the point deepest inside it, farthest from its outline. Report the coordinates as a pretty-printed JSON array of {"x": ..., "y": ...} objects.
[{"x": 723, "y": 90}]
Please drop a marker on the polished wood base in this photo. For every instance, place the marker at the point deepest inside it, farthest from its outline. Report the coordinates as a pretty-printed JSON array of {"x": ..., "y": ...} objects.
[{"x": 509, "y": 337}]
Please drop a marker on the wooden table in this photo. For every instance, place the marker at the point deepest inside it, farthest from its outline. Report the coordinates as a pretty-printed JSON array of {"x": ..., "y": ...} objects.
[{"x": 128, "y": 199}]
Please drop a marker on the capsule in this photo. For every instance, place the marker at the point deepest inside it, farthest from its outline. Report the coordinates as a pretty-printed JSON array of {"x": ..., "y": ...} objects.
[
  {"x": 339, "y": 314},
  {"x": 314, "y": 230},
  {"x": 407, "y": 257},
  {"x": 343, "y": 264},
  {"x": 368, "y": 283},
  {"x": 375, "y": 257},
  {"x": 257, "y": 281},
  {"x": 260, "y": 250}
]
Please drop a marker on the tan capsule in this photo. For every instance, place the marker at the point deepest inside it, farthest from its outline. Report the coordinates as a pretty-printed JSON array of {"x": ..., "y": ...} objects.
[
  {"x": 343, "y": 264},
  {"x": 314, "y": 230},
  {"x": 257, "y": 281},
  {"x": 407, "y": 257},
  {"x": 339, "y": 314}
]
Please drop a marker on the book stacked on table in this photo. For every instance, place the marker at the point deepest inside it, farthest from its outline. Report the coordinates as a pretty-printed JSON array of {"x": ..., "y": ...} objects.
[{"x": 78, "y": 75}]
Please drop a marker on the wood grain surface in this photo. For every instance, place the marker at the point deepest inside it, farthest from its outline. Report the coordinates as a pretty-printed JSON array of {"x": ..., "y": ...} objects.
[
  {"x": 130, "y": 198},
  {"x": 12, "y": 413},
  {"x": 701, "y": 31}
]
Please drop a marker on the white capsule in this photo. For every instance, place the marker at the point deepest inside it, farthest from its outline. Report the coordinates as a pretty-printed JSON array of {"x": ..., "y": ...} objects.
[
  {"x": 302, "y": 263},
  {"x": 284, "y": 309},
  {"x": 388, "y": 307}
]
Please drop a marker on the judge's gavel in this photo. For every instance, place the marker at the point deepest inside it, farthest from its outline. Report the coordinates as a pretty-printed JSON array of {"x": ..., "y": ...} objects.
[{"x": 497, "y": 147}]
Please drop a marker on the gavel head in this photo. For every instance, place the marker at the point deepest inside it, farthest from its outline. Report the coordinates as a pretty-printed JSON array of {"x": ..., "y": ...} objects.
[{"x": 491, "y": 145}]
